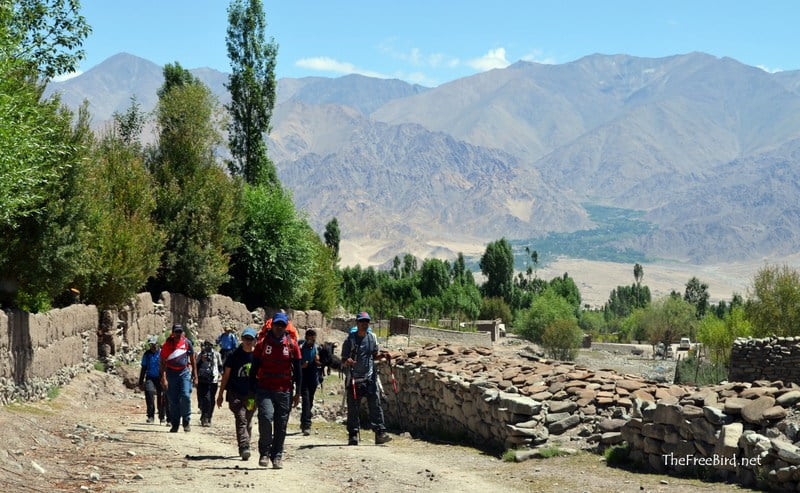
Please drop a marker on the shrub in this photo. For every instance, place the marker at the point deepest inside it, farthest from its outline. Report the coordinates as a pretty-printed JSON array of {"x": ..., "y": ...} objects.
[{"x": 562, "y": 338}]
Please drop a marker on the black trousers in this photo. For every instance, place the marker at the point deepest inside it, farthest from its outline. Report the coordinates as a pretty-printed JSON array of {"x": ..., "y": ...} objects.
[
  {"x": 154, "y": 396},
  {"x": 368, "y": 389},
  {"x": 206, "y": 396}
]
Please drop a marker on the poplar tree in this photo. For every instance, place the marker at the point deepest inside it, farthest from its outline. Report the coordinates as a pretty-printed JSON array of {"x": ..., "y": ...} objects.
[{"x": 252, "y": 86}]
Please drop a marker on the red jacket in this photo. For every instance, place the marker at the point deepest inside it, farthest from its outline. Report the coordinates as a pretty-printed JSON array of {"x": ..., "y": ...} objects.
[
  {"x": 175, "y": 353},
  {"x": 276, "y": 363}
]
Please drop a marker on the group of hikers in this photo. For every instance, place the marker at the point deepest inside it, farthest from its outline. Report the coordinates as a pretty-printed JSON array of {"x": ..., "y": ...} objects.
[{"x": 269, "y": 372}]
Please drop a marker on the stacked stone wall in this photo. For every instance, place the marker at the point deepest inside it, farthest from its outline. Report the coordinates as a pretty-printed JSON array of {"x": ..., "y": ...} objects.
[{"x": 773, "y": 358}]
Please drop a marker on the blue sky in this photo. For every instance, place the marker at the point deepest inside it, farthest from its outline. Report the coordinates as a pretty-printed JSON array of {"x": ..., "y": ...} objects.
[{"x": 431, "y": 42}]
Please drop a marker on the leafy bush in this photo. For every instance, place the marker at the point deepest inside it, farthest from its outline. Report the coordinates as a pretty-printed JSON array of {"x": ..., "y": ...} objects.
[
  {"x": 544, "y": 310},
  {"x": 562, "y": 338}
]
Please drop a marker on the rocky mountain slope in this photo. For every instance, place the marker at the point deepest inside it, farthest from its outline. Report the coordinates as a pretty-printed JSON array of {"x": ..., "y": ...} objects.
[{"x": 515, "y": 152}]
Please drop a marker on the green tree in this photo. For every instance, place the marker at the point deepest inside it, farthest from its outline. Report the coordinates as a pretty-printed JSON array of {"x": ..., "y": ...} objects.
[
  {"x": 545, "y": 309},
  {"x": 128, "y": 126},
  {"x": 774, "y": 301},
  {"x": 434, "y": 278},
  {"x": 126, "y": 243},
  {"x": 409, "y": 265},
  {"x": 196, "y": 203},
  {"x": 463, "y": 301},
  {"x": 324, "y": 280},
  {"x": 494, "y": 308},
  {"x": 252, "y": 86},
  {"x": 42, "y": 254},
  {"x": 497, "y": 264},
  {"x": 668, "y": 319},
  {"x": 275, "y": 263},
  {"x": 566, "y": 288},
  {"x": 696, "y": 293},
  {"x": 562, "y": 338},
  {"x": 35, "y": 149},
  {"x": 45, "y": 33},
  {"x": 332, "y": 236}
]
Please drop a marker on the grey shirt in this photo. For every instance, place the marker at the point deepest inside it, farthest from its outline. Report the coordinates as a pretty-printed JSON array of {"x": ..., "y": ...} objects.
[{"x": 363, "y": 354}]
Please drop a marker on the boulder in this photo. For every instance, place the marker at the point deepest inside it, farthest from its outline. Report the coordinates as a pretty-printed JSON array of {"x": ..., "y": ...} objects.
[{"x": 754, "y": 412}]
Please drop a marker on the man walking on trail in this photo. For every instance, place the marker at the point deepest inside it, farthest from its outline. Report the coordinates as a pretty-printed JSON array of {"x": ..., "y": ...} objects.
[
  {"x": 150, "y": 381},
  {"x": 236, "y": 384},
  {"x": 178, "y": 373},
  {"x": 290, "y": 330},
  {"x": 359, "y": 352},
  {"x": 310, "y": 365},
  {"x": 227, "y": 342},
  {"x": 276, "y": 362},
  {"x": 209, "y": 370}
]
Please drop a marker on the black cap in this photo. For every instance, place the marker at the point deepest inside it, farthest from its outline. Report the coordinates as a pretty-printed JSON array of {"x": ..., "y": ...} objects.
[{"x": 177, "y": 328}]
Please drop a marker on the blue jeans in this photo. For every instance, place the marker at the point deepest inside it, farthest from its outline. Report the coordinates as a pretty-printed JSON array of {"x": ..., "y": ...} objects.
[
  {"x": 179, "y": 391},
  {"x": 273, "y": 416}
]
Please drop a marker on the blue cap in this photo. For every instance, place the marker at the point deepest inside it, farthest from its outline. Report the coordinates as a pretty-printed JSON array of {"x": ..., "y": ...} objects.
[
  {"x": 249, "y": 331},
  {"x": 280, "y": 317},
  {"x": 363, "y": 316}
]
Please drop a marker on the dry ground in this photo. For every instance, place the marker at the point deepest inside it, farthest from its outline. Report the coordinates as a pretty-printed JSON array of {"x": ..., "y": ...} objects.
[{"x": 97, "y": 427}]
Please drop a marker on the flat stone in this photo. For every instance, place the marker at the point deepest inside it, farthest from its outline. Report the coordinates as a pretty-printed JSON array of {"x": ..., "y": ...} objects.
[
  {"x": 789, "y": 398},
  {"x": 753, "y": 393},
  {"x": 690, "y": 412},
  {"x": 668, "y": 414},
  {"x": 734, "y": 405},
  {"x": 644, "y": 395},
  {"x": 786, "y": 451},
  {"x": 589, "y": 410},
  {"x": 562, "y": 406},
  {"x": 728, "y": 442},
  {"x": 542, "y": 396},
  {"x": 564, "y": 424},
  {"x": 714, "y": 415},
  {"x": 630, "y": 385},
  {"x": 754, "y": 412},
  {"x": 775, "y": 412},
  {"x": 611, "y": 438},
  {"x": 553, "y": 417},
  {"x": 606, "y": 425}
]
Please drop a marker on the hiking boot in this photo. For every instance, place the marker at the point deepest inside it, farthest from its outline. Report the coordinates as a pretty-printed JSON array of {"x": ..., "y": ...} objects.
[
  {"x": 174, "y": 429},
  {"x": 263, "y": 461},
  {"x": 187, "y": 428},
  {"x": 276, "y": 463},
  {"x": 245, "y": 454},
  {"x": 150, "y": 419},
  {"x": 306, "y": 431},
  {"x": 381, "y": 438},
  {"x": 353, "y": 440},
  {"x": 161, "y": 421}
]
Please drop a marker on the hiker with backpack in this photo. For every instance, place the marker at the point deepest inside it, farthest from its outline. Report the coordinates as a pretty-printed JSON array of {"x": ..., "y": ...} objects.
[
  {"x": 178, "y": 373},
  {"x": 276, "y": 363},
  {"x": 236, "y": 387},
  {"x": 359, "y": 352},
  {"x": 209, "y": 371},
  {"x": 150, "y": 381},
  {"x": 310, "y": 365},
  {"x": 227, "y": 342}
]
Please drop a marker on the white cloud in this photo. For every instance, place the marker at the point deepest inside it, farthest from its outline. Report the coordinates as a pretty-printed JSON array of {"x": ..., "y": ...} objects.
[
  {"x": 67, "y": 76},
  {"x": 769, "y": 70},
  {"x": 416, "y": 57},
  {"x": 327, "y": 64},
  {"x": 492, "y": 59},
  {"x": 538, "y": 56}
]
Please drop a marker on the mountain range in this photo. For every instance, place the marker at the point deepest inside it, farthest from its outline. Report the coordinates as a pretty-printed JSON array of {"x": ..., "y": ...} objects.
[{"x": 707, "y": 147}]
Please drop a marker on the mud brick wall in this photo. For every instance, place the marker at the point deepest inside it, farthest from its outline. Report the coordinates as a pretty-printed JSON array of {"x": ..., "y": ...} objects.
[{"x": 775, "y": 358}]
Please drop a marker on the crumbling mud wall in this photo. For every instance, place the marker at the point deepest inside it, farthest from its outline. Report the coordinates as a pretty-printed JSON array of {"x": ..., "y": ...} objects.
[{"x": 42, "y": 350}]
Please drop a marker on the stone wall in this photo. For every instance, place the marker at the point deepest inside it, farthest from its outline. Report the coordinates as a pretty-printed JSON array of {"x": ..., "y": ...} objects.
[
  {"x": 739, "y": 432},
  {"x": 776, "y": 358},
  {"x": 420, "y": 333}
]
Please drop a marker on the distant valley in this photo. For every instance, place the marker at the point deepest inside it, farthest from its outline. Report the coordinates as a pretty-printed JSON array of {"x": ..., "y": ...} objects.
[{"x": 697, "y": 156}]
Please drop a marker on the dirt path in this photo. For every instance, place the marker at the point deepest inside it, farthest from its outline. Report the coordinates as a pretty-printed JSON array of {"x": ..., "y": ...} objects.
[{"x": 94, "y": 437}]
